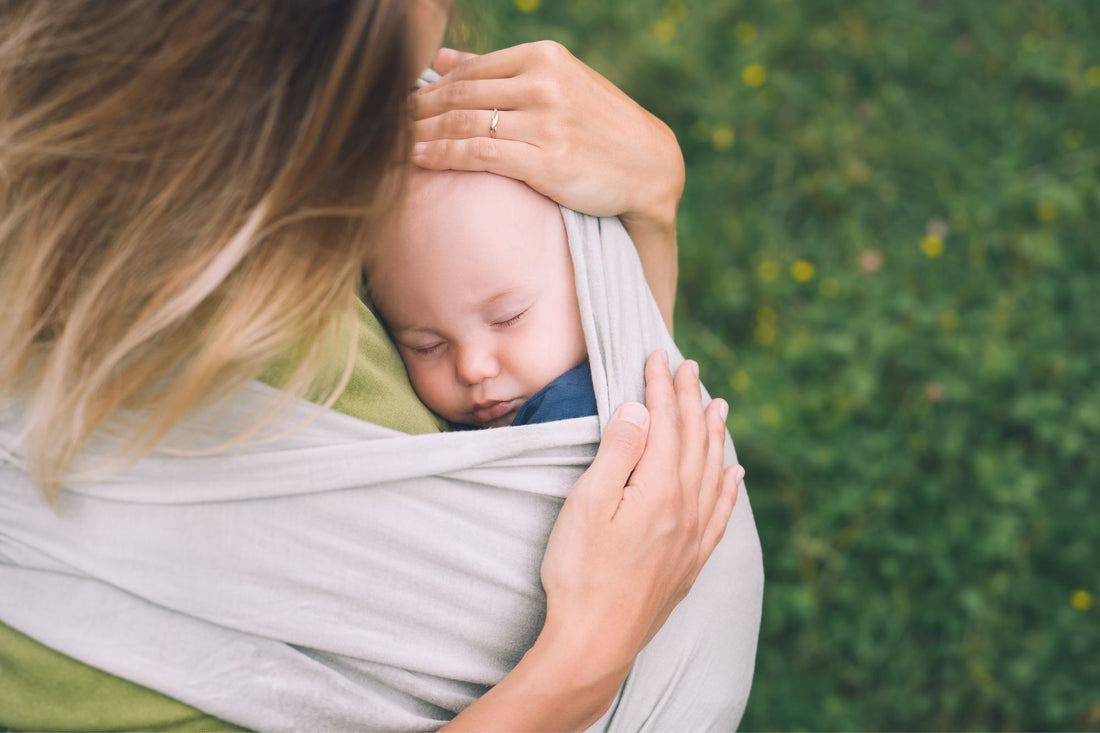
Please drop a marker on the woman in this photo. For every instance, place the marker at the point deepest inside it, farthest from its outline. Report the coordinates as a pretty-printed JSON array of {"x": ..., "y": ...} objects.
[{"x": 188, "y": 195}]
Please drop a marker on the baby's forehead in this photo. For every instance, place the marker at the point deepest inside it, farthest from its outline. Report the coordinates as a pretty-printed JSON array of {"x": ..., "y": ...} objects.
[
  {"x": 473, "y": 210},
  {"x": 473, "y": 194}
]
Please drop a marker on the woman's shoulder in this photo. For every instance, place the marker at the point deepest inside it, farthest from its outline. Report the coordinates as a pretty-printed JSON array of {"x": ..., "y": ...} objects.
[{"x": 379, "y": 390}]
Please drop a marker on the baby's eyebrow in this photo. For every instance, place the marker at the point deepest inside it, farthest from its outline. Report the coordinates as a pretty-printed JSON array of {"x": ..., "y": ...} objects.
[
  {"x": 412, "y": 331},
  {"x": 497, "y": 297}
]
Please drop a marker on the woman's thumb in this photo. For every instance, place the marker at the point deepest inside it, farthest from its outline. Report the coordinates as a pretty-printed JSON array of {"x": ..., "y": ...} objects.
[{"x": 621, "y": 448}]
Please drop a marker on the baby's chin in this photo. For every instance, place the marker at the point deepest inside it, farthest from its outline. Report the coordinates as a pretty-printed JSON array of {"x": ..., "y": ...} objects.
[{"x": 502, "y": 422}]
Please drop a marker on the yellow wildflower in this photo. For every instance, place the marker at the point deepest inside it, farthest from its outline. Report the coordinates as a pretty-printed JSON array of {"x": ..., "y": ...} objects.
[
  {"x": 722, "y": 138},
  {"x": 949, "y": 321},
  {"x": 1081, "y": 600},
  {"x": 740, "y": 380},
  {"x": 676, "y": 10},
  {"x": 527, "y": 6},
  {"x": 1046, "y": 212},
  {"x": 1092, "y": 76},
  {"x": 769, "y": 270},
  {"x": 857, "y": 172},
  {"x": 931, "y": 245},
  {"x": 802, "y": 271},
  {"x": 765, "y": 334},
  {"x": 744, "y": 32},
  {"x": 665, "y": 30},
  {"x": 754, "y": 75},
  {"x": 766, "y": 316}
]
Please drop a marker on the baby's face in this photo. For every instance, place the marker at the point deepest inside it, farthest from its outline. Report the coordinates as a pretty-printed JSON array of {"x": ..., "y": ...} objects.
[{"x": 478, "y": 293}]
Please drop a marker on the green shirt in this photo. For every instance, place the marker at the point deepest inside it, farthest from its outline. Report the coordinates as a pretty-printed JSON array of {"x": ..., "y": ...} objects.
[{"x": 41, "y": 689}]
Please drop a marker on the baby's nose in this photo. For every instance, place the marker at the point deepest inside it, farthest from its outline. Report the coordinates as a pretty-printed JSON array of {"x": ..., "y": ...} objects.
[{"x": 475, "y": 365}]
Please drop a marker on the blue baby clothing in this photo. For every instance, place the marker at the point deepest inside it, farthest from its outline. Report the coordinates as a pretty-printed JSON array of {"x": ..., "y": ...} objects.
[{"x": 570, "y": 395}]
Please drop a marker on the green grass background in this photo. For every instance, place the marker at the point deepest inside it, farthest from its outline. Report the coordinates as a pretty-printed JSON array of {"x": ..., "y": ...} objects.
[{"x": 890, "y": 268}]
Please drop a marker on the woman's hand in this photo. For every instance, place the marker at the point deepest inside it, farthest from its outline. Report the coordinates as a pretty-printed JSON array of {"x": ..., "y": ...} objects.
[
  {"x": 630, "y": 540},
  {"x": 568, "y": 133},
  {"x": 565, "y": 130}
]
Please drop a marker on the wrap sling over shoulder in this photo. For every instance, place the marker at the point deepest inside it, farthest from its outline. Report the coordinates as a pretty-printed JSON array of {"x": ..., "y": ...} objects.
[{"x": 343, "y": 575}]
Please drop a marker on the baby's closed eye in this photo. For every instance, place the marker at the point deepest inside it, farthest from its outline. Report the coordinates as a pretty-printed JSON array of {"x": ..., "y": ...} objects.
[
  {"x": 424, "y": 350},
  {"x": 511, "y": 320}
]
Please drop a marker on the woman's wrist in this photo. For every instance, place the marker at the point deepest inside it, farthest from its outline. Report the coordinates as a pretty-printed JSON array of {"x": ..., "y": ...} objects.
[
  {"x": 655, "y": 239},
  {"x": 651, "y": 217},
  {"x": 563, "y": 682},
  {"x": 589, "y": 668},
  {"x": 657, "y": 195}
]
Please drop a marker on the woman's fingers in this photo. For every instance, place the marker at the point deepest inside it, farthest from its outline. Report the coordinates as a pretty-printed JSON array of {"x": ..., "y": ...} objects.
[
  {"x": 621, "y": 446},
  {"x": 658, "y": 470},
  {"x": 462, "y": 123},
  {"x": 447, "y": 59},
  {"x": 716, "y": 526},
  {"x": 708, "y": 491},
  {"x": 503, "y": 157},
  {"x": 447, "y": 95},
  {"x": 693, "y": 436},
  {"x": 714, "y": 418},
  {"x": 507, "y": 62}
]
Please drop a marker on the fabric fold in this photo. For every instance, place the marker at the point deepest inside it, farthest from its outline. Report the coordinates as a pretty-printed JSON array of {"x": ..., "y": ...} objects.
[{"x": 346, "y": 576}]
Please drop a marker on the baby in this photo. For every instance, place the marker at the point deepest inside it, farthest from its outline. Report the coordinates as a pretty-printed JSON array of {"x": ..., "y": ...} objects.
[{"x": 477, "y": 290}]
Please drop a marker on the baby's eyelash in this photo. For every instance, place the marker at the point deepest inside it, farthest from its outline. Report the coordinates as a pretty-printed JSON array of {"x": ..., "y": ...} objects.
[
  {"x": 425, "y": 350},
  {"x": 511, "y": 321}
]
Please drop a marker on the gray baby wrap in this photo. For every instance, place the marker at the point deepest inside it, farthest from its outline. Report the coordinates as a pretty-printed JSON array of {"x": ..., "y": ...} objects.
[{"x": 346, "y": 576}]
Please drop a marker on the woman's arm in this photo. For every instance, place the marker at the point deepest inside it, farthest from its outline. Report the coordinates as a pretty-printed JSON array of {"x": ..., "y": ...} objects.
[
  {"x": 631, "y": 538},
  {"x": 568, "y": 133}
]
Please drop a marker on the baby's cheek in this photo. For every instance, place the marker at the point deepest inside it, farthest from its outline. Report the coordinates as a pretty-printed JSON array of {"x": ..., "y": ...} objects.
[
  {"x": 537, "y": 349},
  {"x": 437, "y": 389},
  {"x": 549, "y": 355},
  {"x": 573, "y": 349},
  {"x": 422, "y": 383}
]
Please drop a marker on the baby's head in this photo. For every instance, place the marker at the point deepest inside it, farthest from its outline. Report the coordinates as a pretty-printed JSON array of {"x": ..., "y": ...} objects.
[{"x": 477, "y": 290}]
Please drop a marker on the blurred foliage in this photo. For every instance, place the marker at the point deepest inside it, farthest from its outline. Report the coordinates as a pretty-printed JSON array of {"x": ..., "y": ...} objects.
[{"x": 889, "y": 268}]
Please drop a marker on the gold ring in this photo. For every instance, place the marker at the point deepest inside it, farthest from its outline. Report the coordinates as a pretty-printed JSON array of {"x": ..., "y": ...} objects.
[{"x": 493, "y": 123}]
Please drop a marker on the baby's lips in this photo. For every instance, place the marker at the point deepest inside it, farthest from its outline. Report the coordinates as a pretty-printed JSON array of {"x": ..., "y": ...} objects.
[{"x": 493, "y": 410}]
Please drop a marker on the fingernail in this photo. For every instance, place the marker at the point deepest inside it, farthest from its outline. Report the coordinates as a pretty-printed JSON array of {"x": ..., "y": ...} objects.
[
  {"x": 739, "y": 472},
  {"x": 419, "y": 149},
  {"x": 694, "y": 367},
  {"x": 723, "y": 409},
  {"x": 663, "y": 356},
  {"x": 633, "y": 412}
]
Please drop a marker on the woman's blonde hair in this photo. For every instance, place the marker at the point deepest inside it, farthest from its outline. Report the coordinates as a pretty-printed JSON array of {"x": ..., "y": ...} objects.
[{"x": 188, "y": 190}]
